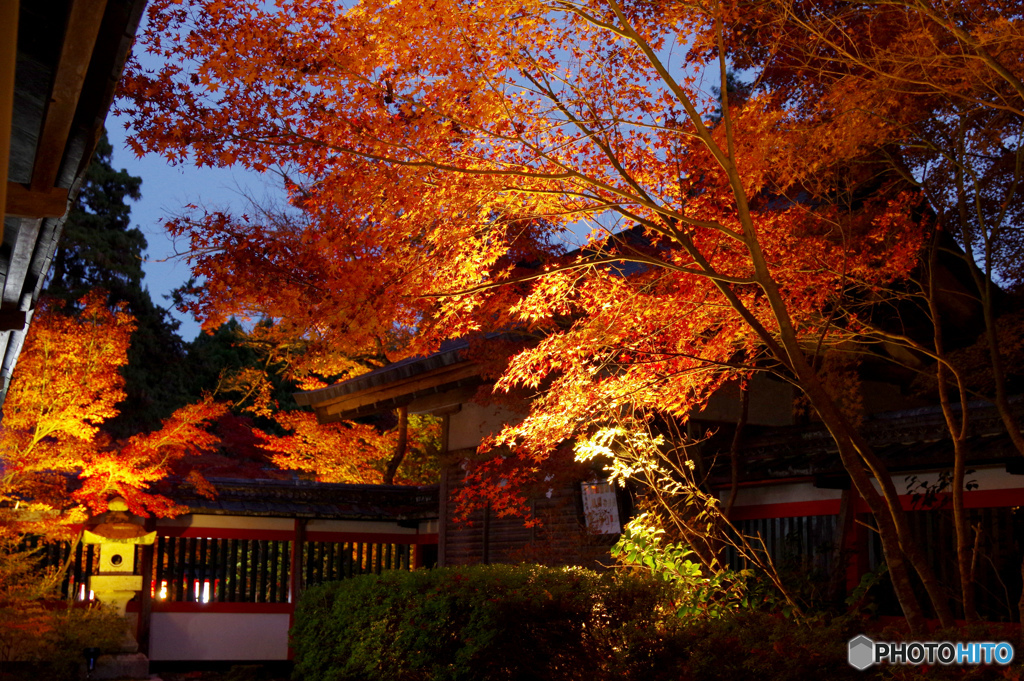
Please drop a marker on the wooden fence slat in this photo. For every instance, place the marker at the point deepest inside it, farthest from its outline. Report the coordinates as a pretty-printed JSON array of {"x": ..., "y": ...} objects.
[
  {"x": 202, "y": 571},
  {"x": 284, "y": 571},
  {"x": 229, "y": 570},
  {"x": 245, "y": 578},
  {"x": 232, "y": 566},
  {"x": 275, "y": 556},
  {"x": 214, "y": 570}
]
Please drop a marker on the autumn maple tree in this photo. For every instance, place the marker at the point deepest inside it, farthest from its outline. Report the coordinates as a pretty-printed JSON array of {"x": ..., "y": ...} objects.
[
  {"x": 935, "y": 95},
  {"x": 437, "y": 155},
  {"x": 59, "y": 467},
  {"x": 253, "y": 371}
]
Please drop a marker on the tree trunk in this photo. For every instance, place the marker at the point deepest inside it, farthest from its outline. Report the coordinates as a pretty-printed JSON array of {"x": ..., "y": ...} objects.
[
  {"x": 984, "y": 284},
  {"x": 958, "y": 434},
  {"x": 734, "y": 450},
  {"x": 403, "y": 438},
  {"x": 892, "y": 546},
  {"x": 856, "y": 455},
  {"x": 999, "y": 376},
  {"x": 858, "y": 458}
]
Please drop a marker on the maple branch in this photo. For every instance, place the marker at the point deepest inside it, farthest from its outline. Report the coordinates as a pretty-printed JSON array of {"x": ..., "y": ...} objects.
[
  {"x": 590, "y": 19},
  {"x": 569, "y": 173},
  {"x": 723, "y": 86},
  {"x": 643, "y": 199},
  {"x": 735, "y": 366},
  {"x": 592, "y": 135},
  {"x": 609, "y": 260},
  {"x": 844, "y": 54},
  {"x": 967, "y": 39},
  {"x": 691, "y": 111},
  {"x": 373, "y": 156},
  {"x": 737, "y": 304}
]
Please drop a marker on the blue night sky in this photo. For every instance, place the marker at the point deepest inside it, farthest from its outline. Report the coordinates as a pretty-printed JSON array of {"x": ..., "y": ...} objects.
[{"x": 166, "y": 190}]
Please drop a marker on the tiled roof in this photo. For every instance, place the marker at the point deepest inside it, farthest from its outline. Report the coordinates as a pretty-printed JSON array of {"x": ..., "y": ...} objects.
[
  {"x": 451, "y": 352},
  {"x": 907, "y": 440},
  {"x": 307, "y": 499}
]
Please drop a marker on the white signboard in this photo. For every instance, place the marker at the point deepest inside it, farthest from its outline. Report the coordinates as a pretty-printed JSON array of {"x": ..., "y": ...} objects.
[{"x": 601, "y": 507}]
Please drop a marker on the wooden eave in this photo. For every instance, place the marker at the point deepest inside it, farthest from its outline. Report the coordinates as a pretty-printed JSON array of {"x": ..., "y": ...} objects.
[
  {"x": 396, "y": 385},
  {"x": 906, "y": 441},
  {"x": 400, "y": 393},
  {"x": 67, "y": 61}
]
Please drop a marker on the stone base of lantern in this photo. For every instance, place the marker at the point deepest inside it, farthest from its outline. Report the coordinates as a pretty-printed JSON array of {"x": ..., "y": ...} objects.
[{"x": 133, "y": 666}]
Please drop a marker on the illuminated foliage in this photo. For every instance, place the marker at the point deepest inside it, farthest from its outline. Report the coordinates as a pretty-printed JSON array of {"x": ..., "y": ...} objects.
[
  {"x": 435, "y": 155},
  {"x": 58, "y": 465},
  {"x": 254, "y": 371}
]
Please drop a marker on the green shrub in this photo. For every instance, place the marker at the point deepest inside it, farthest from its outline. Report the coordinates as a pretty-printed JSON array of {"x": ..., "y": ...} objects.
[
  {"x": 498, "y": 623},
  {"x": 760, "y": 646},
  {"x": 482, "y": 622},
  {"x": 40, "y": 643}
]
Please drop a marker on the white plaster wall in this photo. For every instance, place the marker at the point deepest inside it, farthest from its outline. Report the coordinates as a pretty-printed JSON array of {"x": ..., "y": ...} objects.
[
  {"x": 474, "y": 422},
  {"x": 986, "y": 479},
  {"x": 218, "y": 636},
  {"x": 782, "y": 494}
]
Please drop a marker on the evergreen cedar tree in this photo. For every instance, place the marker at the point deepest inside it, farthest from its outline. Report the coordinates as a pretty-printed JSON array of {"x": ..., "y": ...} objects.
[
  {"x": 99, "y": 249},
  {"x": 435, "y": 154}
]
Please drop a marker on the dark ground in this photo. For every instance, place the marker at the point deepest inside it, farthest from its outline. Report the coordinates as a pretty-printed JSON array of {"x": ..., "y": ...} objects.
[{"x": 241, "y": 672}]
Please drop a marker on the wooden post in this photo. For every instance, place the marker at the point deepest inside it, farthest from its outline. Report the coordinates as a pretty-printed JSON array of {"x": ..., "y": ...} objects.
[
  {"x": 146, "y": 597},
  {"x": 853, "y": 544},
  {"x": 295, "y": 576},
  {"x": 442, "y": 494},
  {"x": 8, "y": 59}
]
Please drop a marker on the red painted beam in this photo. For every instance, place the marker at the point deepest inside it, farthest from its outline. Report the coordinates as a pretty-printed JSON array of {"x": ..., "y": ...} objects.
[
  {"x": 995, "y": 498},
  {"x": 372, "y": 538},
  {"x": 225, "y": 533},
  {"x": 791, "y": 509}
]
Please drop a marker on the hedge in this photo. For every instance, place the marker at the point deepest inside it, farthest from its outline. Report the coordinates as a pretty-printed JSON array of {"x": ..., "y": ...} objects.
[
  {"x": 510, "y": 623},
  {"x": 481, "y": 622}
]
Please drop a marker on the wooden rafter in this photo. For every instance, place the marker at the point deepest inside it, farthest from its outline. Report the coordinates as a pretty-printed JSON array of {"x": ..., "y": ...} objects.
[
  {"x": 8, "y": 58},
  {"x": 12, "y": 320},
  {"x": 84, "y": 20},
  {"x": 22, "y": 202}
]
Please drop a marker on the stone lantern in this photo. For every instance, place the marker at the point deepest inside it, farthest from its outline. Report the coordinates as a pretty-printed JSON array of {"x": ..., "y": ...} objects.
[
  {"x": 116, "y": 583},
  {"x": 117, "y": 537}
]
